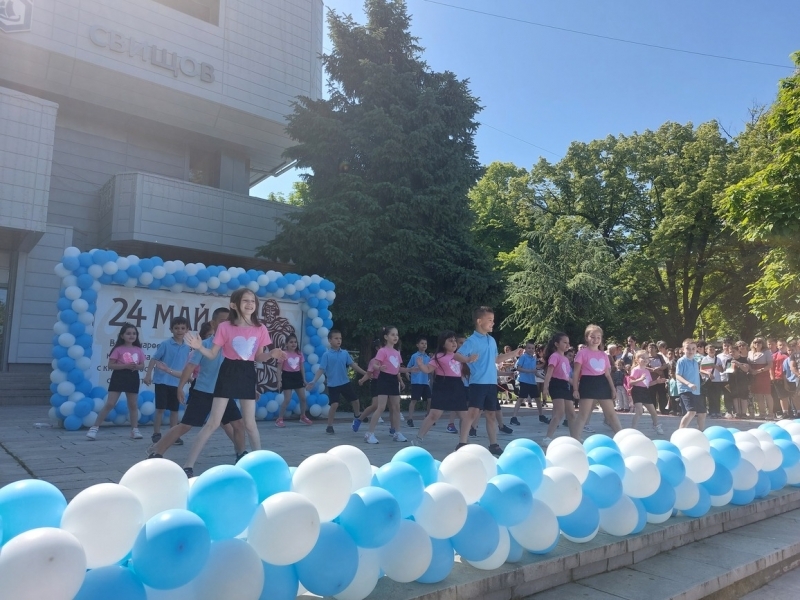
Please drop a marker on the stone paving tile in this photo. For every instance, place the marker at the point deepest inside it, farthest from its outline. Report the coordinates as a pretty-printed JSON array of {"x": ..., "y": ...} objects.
[
  {"x": 785, "y": 587},
  {"x": 633, "y": 585},
  {"x": 574, "y": 591}
]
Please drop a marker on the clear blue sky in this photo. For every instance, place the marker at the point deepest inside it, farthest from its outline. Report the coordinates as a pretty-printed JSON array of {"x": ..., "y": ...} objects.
[{"x": 551, "y": 87}]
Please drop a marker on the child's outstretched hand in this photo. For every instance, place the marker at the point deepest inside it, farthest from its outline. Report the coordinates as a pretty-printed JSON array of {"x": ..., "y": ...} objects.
[
  {"x": 472, "y": 358},
  {"x": 193, "y": 339}
]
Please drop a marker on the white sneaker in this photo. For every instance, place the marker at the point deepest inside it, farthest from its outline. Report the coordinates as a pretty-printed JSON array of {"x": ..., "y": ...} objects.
[
  {"x": 136, "y": 434},
  {"x": 417, "y": 441},
  {"x": 380, "y": 419},
  {"x": 547, "y": 441},
  {"x": 659, "y": 429},
  {"x": 370, "y": 438},
  {"x": 92, "y": 433},
  {"x": 399, "y": 437}
]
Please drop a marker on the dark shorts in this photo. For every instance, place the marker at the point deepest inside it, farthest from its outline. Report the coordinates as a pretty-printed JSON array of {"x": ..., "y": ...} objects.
[
  {"x": 779, "y": 390},
  {"x": 448, "y": 394},
  {"x": 694, "y": 403},
  {"x": 291, "y": 380},
  {"x": 388, "y": 385},
  {"x": 528, "y": 390},
  {"x": 421, "y": 391},
  {"x": 483, "y": 396},
  {"x": 595, "y": 387},
  {"x": 559, "y": 389},
  {"x": 199, "y": 406},
  {"x": 373, "y": 388},
  {"x": 642, "y": 395},
  {"x": 167, "y": 397},
  {"x": 124, "y": 381},
  {"x": 792, "y": 386},
  {"x": 236, "y": 379},
  {"x": 346, "y": 391}
]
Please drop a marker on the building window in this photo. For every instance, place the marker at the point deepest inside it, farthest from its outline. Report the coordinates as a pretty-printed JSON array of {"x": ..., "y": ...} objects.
[
  {"x": 204, "y": 167},
  {"x": 207, "y": 10}
]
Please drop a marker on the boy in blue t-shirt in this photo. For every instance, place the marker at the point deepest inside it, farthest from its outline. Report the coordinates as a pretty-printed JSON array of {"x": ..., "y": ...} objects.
[
  {"x": 420, "y": 382},
  {"x": 687, "y": 373},
  {"x": 528, "y": 388},
  {"x": 173, "y": 353}
]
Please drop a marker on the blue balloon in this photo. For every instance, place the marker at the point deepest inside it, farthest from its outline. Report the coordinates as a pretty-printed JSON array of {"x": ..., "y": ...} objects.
[
  {"x": 270, "y": 472},
  {"x": 134, "y": 271},
  {"x": 725, "y": 452},
  {"x": 662, "y": 501},
  {"x": 508, "y": 499},
  {"x": 77, "y": 329},
  {"x": 83, "y": 408},
  {"x": 85, "y": 281},
  {"x": 441, "y": 562},
  {"x": 371, "y": 517},
  {"x": 85, "y": 259},
  {"x": 57, "y": 400},
  {"x": 323, "y": 400},
  {"x": 225, "y": 497},
  {"x": 720, "y": 482},
  {"x": 642, "y": 521},
  {"x": 58, "y": 352},
  {"x": 121, "y": 407},
  {"x": 63, "y": 304},
  {"x": 603, "y": 485},
  {"x": 763, "y": 485},
  {"x": 671, "y": 467},
  {"x": 530, "y": 445},
  {"x": 99, "y": 257},
  {"x": 668, "y": 446},
  {"x": 280, "y": 582},
  {"x": 180, "y": 276},
  {"x": 28, "y": 504},
  {"x": 608, "y": 457},
  {"x": 222, "y": 289},
  {"x": 84, "y": 387},
  {"x": 146, "y": 265},
  {"x": 742, "y": 497},
  {"x": 73, "y": 423},
  {"x": 71, "y": 262},
  {"x": 791, "y": 453},
  {"x": 583, "y": 521},
  {"x": 281, "y": 282},
  {"x": 272, "y": 287},
  {"x": 313, "y": 288},
  {"x": 168, "y": 280},
  {"x": 68, "y": 316},
  {"x": 53, "y": 388},
  {"x": 421, "y": 460},
  {"x": 244, "y": 279},
  {"x": 111, "y": 256},
  {"x": 703, "y": 504},
  {"x": 157, "y": 261},
  {"x": 599, "y": 441},
  {"x": 175, "y": 538},
  {"x": 315, "y": 340},
  {"x": 715, "y": 432},
  {"x": 84, "y": 340},
  {"x": 327, "y": 323},
  {"x": 75, "y": 376},
  {"x": 66, "y": 364},
  {"x": 203, "y": 275},
  {"x": 313, "y": 302},
  {"x": 120, "y": 277},
  {"x": 403, "y": 482},
  {"x": 192, "y": 281},
  {"x": 315, "y": 572},
  {"x": 480, "y": 535},
  {"x": 115, "y": 582},
  {"x": 98, "y": 392},
  {"x": 523, "y": 463},
  {"x": 515, "y": 552},
  {"x": 777, "y": 478}
]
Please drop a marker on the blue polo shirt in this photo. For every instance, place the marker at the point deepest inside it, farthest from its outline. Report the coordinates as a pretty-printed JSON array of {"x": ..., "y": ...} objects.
[
  {"x": 689, "y": 369},
  {"x": 483, "y": 370},
  {"x": 419, "y": 378},
  {"x": 527, "y": 362},
  {"x": 334, "y": 364},
  {"x": 174, "y": 355},
  {"x": 207, "y": 377}
]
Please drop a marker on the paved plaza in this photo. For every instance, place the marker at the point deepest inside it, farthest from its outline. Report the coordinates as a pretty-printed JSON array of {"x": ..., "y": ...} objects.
[{"x": 72, "y": 463}]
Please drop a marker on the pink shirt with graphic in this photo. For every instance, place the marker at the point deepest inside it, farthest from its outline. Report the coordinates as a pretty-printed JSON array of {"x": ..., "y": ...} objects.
[
  {"x": 390, "y": 360},
  {"x": 293, "y": 362},
  {"x": 241, "y": 343},
  {"x": 593, "y": 362},
  {"x": 127, "y": 355},
  {"x": 444, "y": 365},
  {"x": 561, "y": 366},
  {"x": 637, "y": 372},
  {"x": 374, "y": 368}
]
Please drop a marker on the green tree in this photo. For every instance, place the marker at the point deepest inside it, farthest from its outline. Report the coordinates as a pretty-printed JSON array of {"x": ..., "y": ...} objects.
[
  {"x": 765, "y": 205},
  {"x": 391, "y": 158}
]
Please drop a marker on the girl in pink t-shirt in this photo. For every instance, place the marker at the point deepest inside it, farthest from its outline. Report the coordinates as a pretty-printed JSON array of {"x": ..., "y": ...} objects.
[
  {"x": 640, "y": 381},
  {"x": 557, "y": 383},
  {"x": 291, "y": 378},
  {"x": 389, "y": 385},
  {"x": 592, "y": 382},
  {"x": 373, "y": 370},
  {"x": 125, "y": 361},
  {"x": 242, "y": 339},
  {"x": 448, "y": 389}
]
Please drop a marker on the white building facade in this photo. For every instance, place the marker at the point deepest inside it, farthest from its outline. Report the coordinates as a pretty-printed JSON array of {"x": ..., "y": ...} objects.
[{"x": 139, "y": 126}]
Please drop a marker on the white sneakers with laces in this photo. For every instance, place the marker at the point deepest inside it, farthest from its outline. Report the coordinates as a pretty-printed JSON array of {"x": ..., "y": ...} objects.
[{"x": 370, "y": 438}]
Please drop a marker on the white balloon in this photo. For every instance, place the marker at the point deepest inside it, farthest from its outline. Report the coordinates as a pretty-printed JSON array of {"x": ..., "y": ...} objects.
[
  {"x": 66, "y": 340},
  {"x": 170, "y": 267},
  {"x": 233, "y": 571},
  {"x": 489, "y": 461},
  {"x": 180, "y": 265},
  {"x": 97, "y": 286},
  {"x": 687, "y": 494},
  {"x": 42, "y": 563},
  {"x": 322, "y": 295},
  {"x": 312, "y": 314},
  {"x": 133, "y": 259},
  {"x": 316, "y": 322},
  {"x": 443, "y": 510},
  {"x": 146, "y": 278},
  {"x": 560, "y": 490},
  {"x": 90, "y": 419},
  {"x": 745, "y": 476},
  {"x": 315, "y": 368},
  {"x": 356, "y": 461},
  {"x": 95, "y": 271},
  {"x": 70, "y": 281},
  {"x": 290, "y": 289},
  {"x": 252, "y": 286},
  {"x": 98, "y": 404},
  {"x": 315, "y": 410},
  {"x": 262, "y": 412},
  {"x": 621, "y": 518},
  {"x": 325, "y": 410},
  {"x": 52, "y": 414},
  {"x": 793, "y": 474},
  {"x": 466, "y": 473},
  {"x": 623, "y": 433},
  {"x": 408, "y": 554},
  {"x": 572, "y": 459},
  {"x": 72, "y": 251},
  {"x": 540, "y": 529},
  {"x": 299, "y": 285},
  {"x": 60, "y": 270},
  {"x": 699, "y": 463},
  {"x": 564, "y": 440},
  {"x": 105, "y": 518},
  {"x": 67, "y": 408},
  {"x": 201, "y": 288},
  {"x": 773, "y": 457},
  {"x": 323, "y": 332},
  {"x": 582, "y": 540},
  {"x": 65, "y": 388},
  {"x": 223, "y": 277},
  {"x": 656, "y": 519},
  {"x": 80, "y": 305},
  {"x": 642, "y": 477},
  {"x": 367, "y": 576},
  {"x": 683, "y": 438},
  {"x": 745, "y": 436},
  {"x": 279, "y": 293},
  {"x": 57, "y": 376},
  {"x": 159, "y": 272},
  {"x": 325, "y": 480},
  {"x": 110, "y": 268},
  {"x": 83, "y": 363},
  {"x": 761, "y": 435},
  {"x": 498, "y": 557},
  {"x": 330, "y": 296},
  {"x": 60, "y": 327},
  {"x": 723, "y": 500},
  {"x": 123, "y": 263},
  {"x": 75, "y": 352},
  {"x": 752, "y": 453},
  {"x": 262, "y": 280},
  {"x": 54, "y": 366},
  {"x": 316, "y": 278},
  {"x": 792, "y": 427},
  {"x": 119, "y": 420},
  {"x": 159, "y": 484},
  {"x": 76, "y": 397},
  {"x": 638, "y": 445},
  {"x": 272, "y": 406},
  {"x": 312, "y": 359},
  {"x": 86, "y": 318},
  {"x": 147, "y": 408}
]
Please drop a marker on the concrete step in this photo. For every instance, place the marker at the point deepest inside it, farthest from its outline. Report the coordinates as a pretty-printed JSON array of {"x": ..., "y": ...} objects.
[
  {"x": 726, "y": 566},
  {"x": 24, "y": 388},
  {"x": 606, "y": 555}
]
